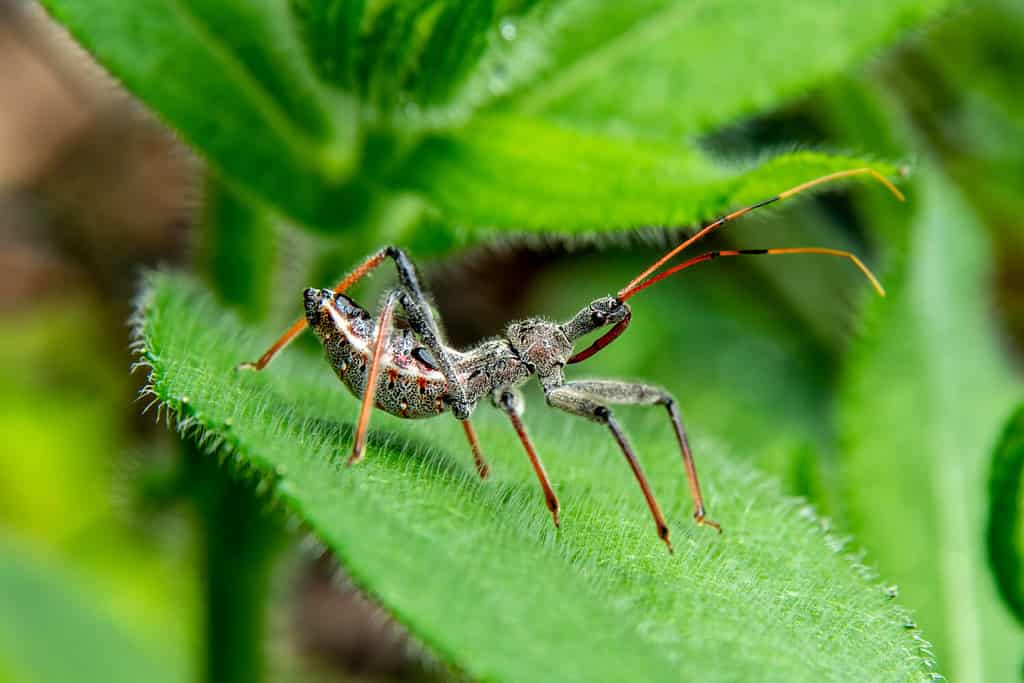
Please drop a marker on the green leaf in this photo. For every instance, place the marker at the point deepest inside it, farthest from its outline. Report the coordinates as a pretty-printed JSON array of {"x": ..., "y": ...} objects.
[
  {"x": 53, "y": 629},
  {"x": 232, "y": 78},
  {"x": 275, "y": 96},
  {"x": 401, "y": 59},
  {"x": 525, "y": 174},
  {"x": 477, "y": 571},
  {"x": 1006, "y": 514},
  {"x": 924, "y": 392},
  {"x": 668, "y": 68}
]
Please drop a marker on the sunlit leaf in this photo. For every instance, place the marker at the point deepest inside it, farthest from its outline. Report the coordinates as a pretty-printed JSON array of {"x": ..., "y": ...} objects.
[
  {"x": 525, "y": 174},
  {"x": 458, "y": 561},
  {"x": 668, "y": 68}
]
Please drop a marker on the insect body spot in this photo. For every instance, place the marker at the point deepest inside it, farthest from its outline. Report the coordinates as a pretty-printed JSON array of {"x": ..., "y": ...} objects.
[
  {"x": 422, "y": 383},
  {"x": 424, "y": 356},
  {"x": 392, "y": 378}
]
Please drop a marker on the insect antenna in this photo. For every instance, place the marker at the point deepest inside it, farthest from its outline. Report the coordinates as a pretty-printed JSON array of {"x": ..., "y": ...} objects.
[
  {"x": 711, "y": 255},
  {"x": 645, "y": 279}
]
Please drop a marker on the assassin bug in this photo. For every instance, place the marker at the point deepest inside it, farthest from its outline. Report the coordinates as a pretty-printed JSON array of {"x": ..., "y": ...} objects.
[{"x": 411, "y": 373}]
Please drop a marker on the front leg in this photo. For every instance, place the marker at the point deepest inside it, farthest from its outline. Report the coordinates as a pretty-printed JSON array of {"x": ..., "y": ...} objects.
[
  {"x": 631, "y": 393},
  {"x": 380, "y": 342},
  {"x": 422, "y": 322},
  {"x": 420, "y": 317},
  {"x": 573, "y": 401}
]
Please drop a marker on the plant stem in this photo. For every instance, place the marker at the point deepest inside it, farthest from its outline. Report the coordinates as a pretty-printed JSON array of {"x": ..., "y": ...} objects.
[
  {"x": 239, "y": 540},
  {"x": 238, "y": 537}
]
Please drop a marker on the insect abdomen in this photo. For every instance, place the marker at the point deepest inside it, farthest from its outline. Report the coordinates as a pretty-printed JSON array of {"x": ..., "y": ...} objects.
[{"x": 403, "y": 389}]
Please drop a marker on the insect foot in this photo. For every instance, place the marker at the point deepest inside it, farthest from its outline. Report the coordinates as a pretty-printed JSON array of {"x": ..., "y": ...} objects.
[{"x": 701, "y": 520}]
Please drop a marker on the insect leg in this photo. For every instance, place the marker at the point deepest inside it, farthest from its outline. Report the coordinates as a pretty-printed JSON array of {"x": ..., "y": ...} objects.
[
  {"x": 577, "y": 403},
  {"x": 421, "y": 320},
  {"x": 482, "y": 468},
  {"x": 509, "y": 400},
  {"x": 299, "y": 325},
  {"x": 644, "y": 394},
  {"x": 384, "y": 321}
]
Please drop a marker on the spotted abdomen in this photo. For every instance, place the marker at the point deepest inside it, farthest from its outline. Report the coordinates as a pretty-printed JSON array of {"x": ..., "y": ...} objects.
[{"x": 408, "y": 385}]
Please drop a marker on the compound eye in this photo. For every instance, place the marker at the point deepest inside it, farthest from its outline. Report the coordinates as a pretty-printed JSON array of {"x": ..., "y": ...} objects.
[{"x": 598, "y": 318}]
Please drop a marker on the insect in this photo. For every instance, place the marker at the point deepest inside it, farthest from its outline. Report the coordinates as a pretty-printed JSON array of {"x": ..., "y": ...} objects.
[{"x": 410, "y": 371}]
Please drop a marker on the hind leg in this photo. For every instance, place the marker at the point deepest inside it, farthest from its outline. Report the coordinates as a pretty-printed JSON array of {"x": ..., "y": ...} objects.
[
  {"x": 630, "y": 393},
  {"x": 571, "y": 400}
]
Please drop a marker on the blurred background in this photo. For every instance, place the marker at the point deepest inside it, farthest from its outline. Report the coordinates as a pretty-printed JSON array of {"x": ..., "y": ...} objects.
[{"x": 93, "y": 190}]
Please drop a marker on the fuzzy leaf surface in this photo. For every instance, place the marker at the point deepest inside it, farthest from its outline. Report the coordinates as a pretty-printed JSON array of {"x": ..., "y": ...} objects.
[
  {"x": 458, "y": 561},
  {"x": 669, "y": 69},
  {"x": 294, "y": 103},
  {"x": 923, "y": 396},
  {"x": 526, "y": 174}
]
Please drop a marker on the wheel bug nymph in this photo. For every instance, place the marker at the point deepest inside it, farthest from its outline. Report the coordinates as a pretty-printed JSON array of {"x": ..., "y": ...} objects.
[{"x": 410, "y": 372}]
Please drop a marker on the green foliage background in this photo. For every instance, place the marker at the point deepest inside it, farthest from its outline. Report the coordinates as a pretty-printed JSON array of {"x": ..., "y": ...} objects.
[{"x": 845, "y": 442}]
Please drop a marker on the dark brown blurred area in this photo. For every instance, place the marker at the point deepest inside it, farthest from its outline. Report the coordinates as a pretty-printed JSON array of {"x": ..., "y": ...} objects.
[{"x": 92, "y": 188}]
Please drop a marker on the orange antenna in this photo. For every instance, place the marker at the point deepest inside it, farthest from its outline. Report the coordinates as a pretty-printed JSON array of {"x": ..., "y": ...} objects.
[
  {"x": 711, "y": 255},
  {"x": 638, "y": 283}
]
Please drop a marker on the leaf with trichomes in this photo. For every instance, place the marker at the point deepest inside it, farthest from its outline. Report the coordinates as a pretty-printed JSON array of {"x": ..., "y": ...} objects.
[
  {"x": 923, "y": 395},
  {"x": 1006, "y": 515},
  {"x": 477, "y": 572},
  {"x": 323, "y": 110},
  {"x": 53, "y": 629},
  {"x": 526, "y": 174},
  {"x": 668, "y": 68}
]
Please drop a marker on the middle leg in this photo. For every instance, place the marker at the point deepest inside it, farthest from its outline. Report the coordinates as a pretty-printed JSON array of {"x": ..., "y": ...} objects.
[{"x": 509, "y": 400}]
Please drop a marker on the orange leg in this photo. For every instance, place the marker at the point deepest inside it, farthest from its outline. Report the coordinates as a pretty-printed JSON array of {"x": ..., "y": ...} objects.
[
  {"x": 509, "y": 403},
  {"x": 691, "y": 469},
  {"x": 300, "y": 324},
  {"x": 482, "y": 467},
  {"x": 370, "y": 390}
]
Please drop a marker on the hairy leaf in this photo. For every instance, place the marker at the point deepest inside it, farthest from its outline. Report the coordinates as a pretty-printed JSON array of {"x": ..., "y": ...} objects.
[
  {"x": 477, "y": 571},
  {"x": 1006, "y": 514},
  {"x": 525, "y": 174},
  {"x": 275, "y": 96},
  {"x": 53, "y": 629},
  {"x": 924, "y": 393},
  {"x": 670, "y": 68}
]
